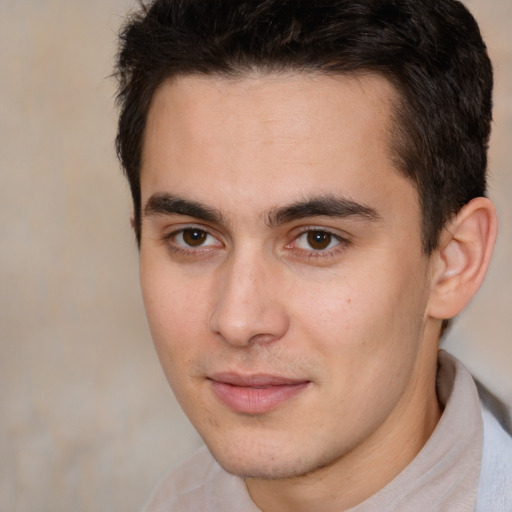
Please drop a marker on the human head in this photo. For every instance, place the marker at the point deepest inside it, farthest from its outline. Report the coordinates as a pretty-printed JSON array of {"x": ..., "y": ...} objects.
[
  {"x": 291, "y": 305},
  {"x": 430, "y": 50},
  {"x": 289, "y": 212}
]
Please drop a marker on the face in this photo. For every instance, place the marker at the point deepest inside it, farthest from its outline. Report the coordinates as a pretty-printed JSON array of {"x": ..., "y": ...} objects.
[{"x": 282, "y": 270}]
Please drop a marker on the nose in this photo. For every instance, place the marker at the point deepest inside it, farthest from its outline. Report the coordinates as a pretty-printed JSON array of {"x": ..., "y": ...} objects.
[{"x": 250, "y": 305}]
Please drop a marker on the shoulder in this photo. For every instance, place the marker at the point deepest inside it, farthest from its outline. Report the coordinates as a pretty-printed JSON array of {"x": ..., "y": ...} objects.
[
  {"x": 182, "y": 488},
  {"x": 495, "y": 486},
  {"x": 476, "y": 407}
]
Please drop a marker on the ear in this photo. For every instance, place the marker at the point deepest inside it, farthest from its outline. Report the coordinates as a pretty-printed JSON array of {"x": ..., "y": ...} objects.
[
  {"x": 462, "y": 259},
  {"x": 132, "y": 221}
]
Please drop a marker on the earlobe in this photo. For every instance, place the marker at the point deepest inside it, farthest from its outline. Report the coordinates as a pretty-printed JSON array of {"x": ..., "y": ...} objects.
[{"x": 463, "y": 257}]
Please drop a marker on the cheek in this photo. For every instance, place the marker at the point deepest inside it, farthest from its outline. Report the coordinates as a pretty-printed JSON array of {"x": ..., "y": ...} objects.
[
  {"x": 368, "y": 318},
  {"x": 177, "y": 311},
  {"x": 176, "y": 329}
]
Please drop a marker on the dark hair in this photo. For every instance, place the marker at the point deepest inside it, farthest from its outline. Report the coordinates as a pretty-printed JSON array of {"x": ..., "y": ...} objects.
[{"x": 430, "y": 50}]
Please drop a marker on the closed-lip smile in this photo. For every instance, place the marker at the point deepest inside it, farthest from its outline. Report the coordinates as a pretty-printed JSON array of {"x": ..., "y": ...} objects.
[{"x": 255, "y": 394}]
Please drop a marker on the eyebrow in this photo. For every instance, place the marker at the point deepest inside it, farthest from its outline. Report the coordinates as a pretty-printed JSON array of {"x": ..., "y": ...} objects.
[
  {"x": 167, "y": 204},
  {"x": 322, "y": 206},
  {"x": 318, "y": 206}
]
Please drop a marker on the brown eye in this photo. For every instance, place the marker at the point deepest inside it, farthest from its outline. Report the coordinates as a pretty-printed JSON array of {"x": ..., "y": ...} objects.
[
  {"x": 319, "y": 240},
  {"x": 194, "y": 237}
]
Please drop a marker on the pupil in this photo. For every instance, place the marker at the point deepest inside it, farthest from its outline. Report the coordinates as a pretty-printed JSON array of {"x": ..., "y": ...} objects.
[
  {"x": 194, "y": 237},
  {"x": 319, "y": 239}
]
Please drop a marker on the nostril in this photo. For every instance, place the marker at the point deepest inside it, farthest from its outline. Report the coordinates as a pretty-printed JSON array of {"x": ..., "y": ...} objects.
[
  {"x": 245, "y": 324},
  {"x": 263, "y": 339}
]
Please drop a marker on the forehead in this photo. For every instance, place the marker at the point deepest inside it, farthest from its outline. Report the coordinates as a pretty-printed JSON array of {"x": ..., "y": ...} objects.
[
  {"x": 265, "y": 139},
  {"x": 269, "y": 106}
]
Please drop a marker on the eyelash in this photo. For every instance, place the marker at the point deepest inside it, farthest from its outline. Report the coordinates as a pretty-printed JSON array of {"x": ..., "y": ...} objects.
[
  {"x": 342, "y": 242},
  {"x": 172, "y": 245}
]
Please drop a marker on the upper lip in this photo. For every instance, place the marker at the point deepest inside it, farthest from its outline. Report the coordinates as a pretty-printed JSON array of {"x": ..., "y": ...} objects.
[{"x": 255, "y": 380}]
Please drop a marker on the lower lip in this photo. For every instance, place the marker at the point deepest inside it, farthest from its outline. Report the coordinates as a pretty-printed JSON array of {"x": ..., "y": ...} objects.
[{"x": 255, "y": 400}]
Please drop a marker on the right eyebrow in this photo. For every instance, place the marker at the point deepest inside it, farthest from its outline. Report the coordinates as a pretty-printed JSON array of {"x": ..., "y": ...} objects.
[{"x": 167, "y": 204}]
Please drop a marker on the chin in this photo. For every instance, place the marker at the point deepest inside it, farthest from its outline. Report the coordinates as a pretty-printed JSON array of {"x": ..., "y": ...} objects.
[
  {"x": 264, "y": 470},
  {"x": 268, "y": 462}
]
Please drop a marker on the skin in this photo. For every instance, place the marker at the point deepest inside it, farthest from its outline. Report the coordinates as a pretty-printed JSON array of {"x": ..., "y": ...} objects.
[{"x": 338, "y": 302}]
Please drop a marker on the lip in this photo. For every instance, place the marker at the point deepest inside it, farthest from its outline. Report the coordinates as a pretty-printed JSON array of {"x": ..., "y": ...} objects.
[{"x": 255, "y": 394}]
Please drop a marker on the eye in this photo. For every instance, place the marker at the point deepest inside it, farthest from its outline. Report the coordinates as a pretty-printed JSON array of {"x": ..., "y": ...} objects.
[
  {"x": 194, "y": 237},
  {"x": 316, "y": 240}
]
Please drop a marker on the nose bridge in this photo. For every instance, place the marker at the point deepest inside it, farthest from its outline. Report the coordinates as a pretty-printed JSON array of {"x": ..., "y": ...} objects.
[{"x": 249, "y": 305}]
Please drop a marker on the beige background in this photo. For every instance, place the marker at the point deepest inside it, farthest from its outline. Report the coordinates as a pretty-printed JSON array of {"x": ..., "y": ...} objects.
[{"x": 87, "y": 422}]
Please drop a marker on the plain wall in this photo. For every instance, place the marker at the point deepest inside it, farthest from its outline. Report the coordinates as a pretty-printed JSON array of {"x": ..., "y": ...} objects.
[{"x": 87, "y": 420}]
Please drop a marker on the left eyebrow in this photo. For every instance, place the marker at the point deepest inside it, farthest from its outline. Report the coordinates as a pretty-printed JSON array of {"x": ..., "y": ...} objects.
[{"x": 321, "y": 206}]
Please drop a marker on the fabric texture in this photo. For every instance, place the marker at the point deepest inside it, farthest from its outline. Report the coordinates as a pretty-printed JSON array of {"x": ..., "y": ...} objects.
[
  {"x": 466, "y": 465},
  {"x": 495, "y": 486}
]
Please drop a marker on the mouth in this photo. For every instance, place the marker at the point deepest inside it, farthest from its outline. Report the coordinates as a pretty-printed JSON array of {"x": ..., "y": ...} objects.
[{"x": 255, "y": 394}]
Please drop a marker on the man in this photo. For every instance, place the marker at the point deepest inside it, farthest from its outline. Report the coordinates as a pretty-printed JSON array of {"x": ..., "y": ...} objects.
[{"x": 309, "y": 200}]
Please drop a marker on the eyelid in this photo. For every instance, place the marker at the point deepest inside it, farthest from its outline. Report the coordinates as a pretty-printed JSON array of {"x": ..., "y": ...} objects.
[
  {"x": 342, "y": 237},
  {"x": 174, "y": 231},
  {"x": 336, "y": 233},
  {"x": 303, "y": 241}
]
